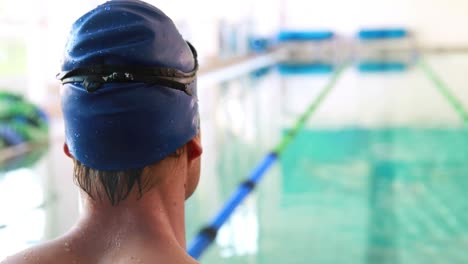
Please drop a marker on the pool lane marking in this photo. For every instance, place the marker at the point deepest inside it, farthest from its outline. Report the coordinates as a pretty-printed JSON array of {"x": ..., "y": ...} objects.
[
  {"x": 309, "y": 111},
  {"x": 444, "y": 90},
  {"x": 208, "y": 234}
]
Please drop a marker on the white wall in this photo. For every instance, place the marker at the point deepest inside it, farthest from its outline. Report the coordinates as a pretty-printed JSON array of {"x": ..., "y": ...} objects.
[
  {"x": 44, "y": 24},
  {"x": 435, "y": 22}
]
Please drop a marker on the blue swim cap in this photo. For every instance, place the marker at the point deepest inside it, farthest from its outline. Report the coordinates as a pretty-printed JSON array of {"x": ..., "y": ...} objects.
[{"x": 129, "y": 94}]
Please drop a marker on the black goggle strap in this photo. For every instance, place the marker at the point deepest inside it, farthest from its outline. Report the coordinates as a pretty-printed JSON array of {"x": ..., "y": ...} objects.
[{"x": 93, "y": 77}]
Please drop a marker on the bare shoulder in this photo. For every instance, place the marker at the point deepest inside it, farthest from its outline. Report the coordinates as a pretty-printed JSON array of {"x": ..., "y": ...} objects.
[
  {"x": 69, "y": 251},
  {"x": 49, "y": 252}
]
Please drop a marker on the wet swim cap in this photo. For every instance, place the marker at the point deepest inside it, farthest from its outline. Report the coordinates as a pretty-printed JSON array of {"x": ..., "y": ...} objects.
[{"x": 129, "y": 97}]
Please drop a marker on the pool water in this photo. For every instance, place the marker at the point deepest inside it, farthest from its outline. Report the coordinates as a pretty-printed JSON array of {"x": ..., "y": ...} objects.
[
  {"x": 377, "y": 196},
  {"x": 377, "y": 175}
]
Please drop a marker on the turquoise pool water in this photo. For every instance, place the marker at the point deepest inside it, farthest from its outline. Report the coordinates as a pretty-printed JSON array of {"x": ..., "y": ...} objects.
[
  {"x": 378, "y": 174},
  {"x": 377, "y": 196}
]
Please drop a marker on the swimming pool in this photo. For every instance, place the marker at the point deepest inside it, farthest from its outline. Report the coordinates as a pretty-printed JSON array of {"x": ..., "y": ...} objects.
[{"x": 376, "y": 176}]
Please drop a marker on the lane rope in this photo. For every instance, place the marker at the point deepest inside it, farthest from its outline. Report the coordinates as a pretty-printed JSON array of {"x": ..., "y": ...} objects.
[
  {"x": 444, "y": 90},
  {"x": 208, "y": 234}
]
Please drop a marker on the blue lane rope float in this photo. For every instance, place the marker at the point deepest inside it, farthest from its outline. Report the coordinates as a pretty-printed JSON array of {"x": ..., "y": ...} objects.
[
  {"x": 382, "y": 33},
  {"x": 208, "y": 234},
  {"x": 445, "y": 91},
  {"x": 305, "y": 68},
  {"x": 382, "y": 66},
  {"x": 284, "y": 35}
]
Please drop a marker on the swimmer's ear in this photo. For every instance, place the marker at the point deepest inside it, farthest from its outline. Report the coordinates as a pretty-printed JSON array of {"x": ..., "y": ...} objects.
[
  {"x": 66, "y": 150},
  {"x": 194, "y": 148}
]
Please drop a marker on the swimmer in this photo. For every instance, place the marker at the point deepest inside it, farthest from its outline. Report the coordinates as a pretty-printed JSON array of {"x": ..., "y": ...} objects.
[{"x": 129, "y": 101}]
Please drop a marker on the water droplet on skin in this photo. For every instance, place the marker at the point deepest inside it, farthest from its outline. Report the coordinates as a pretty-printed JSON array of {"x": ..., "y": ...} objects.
[
  {"x": 67, "y": 247},
  {"x": 27, "y": 255}
]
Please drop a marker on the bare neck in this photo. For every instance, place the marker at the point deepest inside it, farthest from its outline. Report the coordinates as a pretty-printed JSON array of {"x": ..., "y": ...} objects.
[
  {"x": 156, "y": 219},
  {"x": 154, "y": 215}
]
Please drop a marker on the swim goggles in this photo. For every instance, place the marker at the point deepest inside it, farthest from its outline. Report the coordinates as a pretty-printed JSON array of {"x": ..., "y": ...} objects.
[{"x": 93, "y": 77}]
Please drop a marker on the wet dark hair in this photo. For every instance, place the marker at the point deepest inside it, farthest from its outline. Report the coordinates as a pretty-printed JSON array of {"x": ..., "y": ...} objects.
[{"x": 114, "y": 185}]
